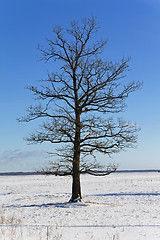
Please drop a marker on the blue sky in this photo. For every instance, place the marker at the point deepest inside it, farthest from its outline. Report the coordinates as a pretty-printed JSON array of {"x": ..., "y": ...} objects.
[{"x": 132, "y": 28}]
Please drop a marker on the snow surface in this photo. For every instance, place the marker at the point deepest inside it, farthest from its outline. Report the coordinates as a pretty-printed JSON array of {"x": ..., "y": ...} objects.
[{"x": 115, "y": 207}]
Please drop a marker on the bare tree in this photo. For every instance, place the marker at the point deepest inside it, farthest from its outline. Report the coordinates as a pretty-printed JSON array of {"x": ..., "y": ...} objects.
[{"x": 79, "y": 101}]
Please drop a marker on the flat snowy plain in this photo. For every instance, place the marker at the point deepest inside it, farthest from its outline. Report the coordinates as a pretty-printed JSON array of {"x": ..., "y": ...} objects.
[{"x": 117, "y": 206}]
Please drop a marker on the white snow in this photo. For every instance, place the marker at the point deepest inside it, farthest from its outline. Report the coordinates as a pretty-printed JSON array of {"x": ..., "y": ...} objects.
[{"x": 118, "y": 206}]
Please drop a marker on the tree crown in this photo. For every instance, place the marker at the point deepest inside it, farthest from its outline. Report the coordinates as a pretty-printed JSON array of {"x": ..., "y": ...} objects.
[{"x": 82, "y": 95}]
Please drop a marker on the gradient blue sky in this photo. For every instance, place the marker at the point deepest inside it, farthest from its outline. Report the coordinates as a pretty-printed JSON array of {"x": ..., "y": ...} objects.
[{"x": 132, "y": 28}]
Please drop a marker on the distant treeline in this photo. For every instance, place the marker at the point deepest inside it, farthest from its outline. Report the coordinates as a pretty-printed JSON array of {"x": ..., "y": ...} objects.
[{"x": 38, "y": 173}]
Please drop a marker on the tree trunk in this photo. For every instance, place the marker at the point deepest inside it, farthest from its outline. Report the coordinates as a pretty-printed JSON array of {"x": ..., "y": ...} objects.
[{"x": 76, "y": 187}]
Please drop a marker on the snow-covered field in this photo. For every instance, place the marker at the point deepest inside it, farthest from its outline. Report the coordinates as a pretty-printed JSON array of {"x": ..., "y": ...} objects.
[{"x": 118, "y": 206}]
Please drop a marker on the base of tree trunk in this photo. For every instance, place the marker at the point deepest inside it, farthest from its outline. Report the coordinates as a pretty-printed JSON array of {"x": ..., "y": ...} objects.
[{"x": 74, "y": 200}]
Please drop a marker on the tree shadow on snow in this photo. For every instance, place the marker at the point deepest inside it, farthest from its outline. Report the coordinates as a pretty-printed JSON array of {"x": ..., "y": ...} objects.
[
  {"x": 57, "y": 205},
  {"x": 125, "y": 194}
]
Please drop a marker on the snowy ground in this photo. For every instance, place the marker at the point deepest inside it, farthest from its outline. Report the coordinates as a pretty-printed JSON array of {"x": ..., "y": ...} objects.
[{"x": 118, "y": 206}]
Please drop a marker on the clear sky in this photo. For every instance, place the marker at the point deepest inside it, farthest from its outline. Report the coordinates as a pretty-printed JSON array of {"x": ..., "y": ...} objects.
[{"x": 132, "y": 28}]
